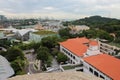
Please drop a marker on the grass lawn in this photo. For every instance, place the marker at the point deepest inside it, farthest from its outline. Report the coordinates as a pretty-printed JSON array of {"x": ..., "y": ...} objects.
[
  {"x": 68, "y": 67},
  {"x": 43, "y": 32}
]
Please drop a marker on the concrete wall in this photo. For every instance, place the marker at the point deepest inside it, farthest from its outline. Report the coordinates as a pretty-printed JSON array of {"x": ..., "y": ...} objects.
[
  {"x": 73, "y": 58},
  {"x": 86, "y": 69},
  {"x": 108, "y": 49}
]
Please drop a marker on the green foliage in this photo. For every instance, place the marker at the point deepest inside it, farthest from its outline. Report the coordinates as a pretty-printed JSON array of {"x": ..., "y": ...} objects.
[
  {"x": 44, "y": 32},
  {"x": 50, "y": 42},
  {"x": 3, "y": 53},
  {"x": 61, "y": 57},
  {"x": 43, "y": 54},
  {"x": 108, "y": 24},
  {"x": 5, "y": 43},
  {"x": 49, "y": 61},
  {"x": 13, "y": 53},
  {"x": 65, "y": 33},
  {"x": 104, "y": 35},
  {"x": 18, "y": 66},
  {"x": 118, "y": 34},
  {"x": 31, "y": 45},
  {"x": 55, "y": 52},
  {"x": 92, "y": 33},
  {"x": 16, "y": 57}
]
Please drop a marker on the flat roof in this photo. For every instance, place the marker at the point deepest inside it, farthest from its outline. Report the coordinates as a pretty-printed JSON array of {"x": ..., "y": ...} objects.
[{"x": 106, "y": 64}]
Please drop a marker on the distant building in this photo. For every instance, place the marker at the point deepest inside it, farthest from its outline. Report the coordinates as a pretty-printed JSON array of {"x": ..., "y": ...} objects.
[
  {"x": 2, "y": 18},
  {"x": 5, "y": 69},
  {"x": 103, "y": 66},
  {"x": 108, "y": 49},
  {"x": 22, "y": 34},
  {"x": 39, "y": 26},
  {"x": 52, "y": 25},
  {"x": 78, "y": 28}
]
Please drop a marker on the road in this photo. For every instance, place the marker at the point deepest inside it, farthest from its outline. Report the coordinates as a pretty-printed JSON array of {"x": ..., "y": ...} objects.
[
  {"x": 55, "y": 66},
  {"x": 31, "y": 59}
]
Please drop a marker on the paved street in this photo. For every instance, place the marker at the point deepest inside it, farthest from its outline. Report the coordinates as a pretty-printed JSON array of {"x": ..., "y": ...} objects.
[
  {"x": 31, "y": 59},
  {"x": 55, "y": 66}
]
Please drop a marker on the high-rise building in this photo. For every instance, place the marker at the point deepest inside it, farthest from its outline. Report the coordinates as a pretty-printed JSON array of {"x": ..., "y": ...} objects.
[{"x": 2, "y": 18}]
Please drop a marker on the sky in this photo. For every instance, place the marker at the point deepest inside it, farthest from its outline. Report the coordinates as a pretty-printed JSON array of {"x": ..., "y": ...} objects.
[{"x": 59, "y": 9}]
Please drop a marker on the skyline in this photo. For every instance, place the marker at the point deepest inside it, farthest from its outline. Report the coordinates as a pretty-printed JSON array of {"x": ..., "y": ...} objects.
[{"x": 59, "y": 9}]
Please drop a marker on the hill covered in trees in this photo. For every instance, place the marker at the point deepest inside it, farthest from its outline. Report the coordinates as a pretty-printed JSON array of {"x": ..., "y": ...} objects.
[{"x": 110, "y": 25}]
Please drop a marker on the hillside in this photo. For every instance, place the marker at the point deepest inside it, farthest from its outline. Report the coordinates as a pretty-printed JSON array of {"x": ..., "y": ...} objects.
[
  {"x": 71, "y": 75},
  {"x": 107, "y": 24}
]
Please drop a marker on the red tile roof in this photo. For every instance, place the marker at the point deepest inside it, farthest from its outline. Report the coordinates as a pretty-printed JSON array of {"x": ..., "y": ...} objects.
[
  {"x": 93, "y": 43},
  {"x": 106, "y": 64},
  {"x": 76, "y": 45}
]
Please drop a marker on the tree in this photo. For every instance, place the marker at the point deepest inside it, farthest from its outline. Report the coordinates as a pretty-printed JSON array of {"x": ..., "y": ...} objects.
[
  {"x": 13, "y": 53},
  {"x": 54, "y": 52},
  {"x": 18, "y": 65},
  {"x": 64, "y": 32},
  {"x": 43, "y": 54},
  {"x": 104, "y": 35},
  {"x": 49, "y": 42},
  {"x": 3, "y": 53},
  {"x": 118, "y": 34},
  {"x": 61, "y": 57},
  {"x": 90, "y": 33},
  {"x": 16, "y": 57}
]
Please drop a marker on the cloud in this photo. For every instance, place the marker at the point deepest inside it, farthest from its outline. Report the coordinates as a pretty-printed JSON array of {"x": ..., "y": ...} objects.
[
  {"x": 60, "y": 8},
  {"x": 49, "y": 8}
]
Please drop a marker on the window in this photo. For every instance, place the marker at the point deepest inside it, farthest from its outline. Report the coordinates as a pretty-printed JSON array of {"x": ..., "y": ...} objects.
[
  {"x": 73, "y": 57},
  {"x": 73, "y": 62},
  {"x": 68, "y": 53},
  {"x": 91, "y": 70},
  {"x": 102, "y": 77},
  {"x": 96, "y": 73}
]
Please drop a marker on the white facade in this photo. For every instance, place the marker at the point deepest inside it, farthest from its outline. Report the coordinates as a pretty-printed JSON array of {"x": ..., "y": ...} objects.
[
  {"x": 108, "y": 49},
  {"x": 87, "y": 68},
  {"x": 72, "y": 57},
  {"x": 92, "y": 50}
]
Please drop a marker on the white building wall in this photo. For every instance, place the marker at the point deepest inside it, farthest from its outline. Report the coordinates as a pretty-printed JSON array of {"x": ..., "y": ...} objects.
[
  {"x": 70, "y": 55},
  {"x": 92, "y": 50},
  {"x": 86, "y": 67},
  {"x": 108, "y": 49}
]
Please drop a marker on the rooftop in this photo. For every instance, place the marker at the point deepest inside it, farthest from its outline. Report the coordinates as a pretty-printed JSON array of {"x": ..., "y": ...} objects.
[
  {"x": 76, "y": 45},
  {"x": 105, "y": 64},
  {"x": 93, "y": 43}
]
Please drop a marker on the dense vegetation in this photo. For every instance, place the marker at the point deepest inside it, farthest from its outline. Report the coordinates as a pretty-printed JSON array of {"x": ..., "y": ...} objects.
[
  {"x": 108, "y": 24},
  {"x": 43, "y": 32},
  {"x": 16, "y": 57}
]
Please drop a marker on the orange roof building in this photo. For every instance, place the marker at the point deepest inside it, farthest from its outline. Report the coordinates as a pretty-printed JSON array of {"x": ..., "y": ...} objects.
[
  {"x": 76, "y": 45},
  {"x": 86, "y": 52},
  {"x": 93, "y": 43},
  {"x": 76, "y": 48},
  {"x": 104, "y": 66}
]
